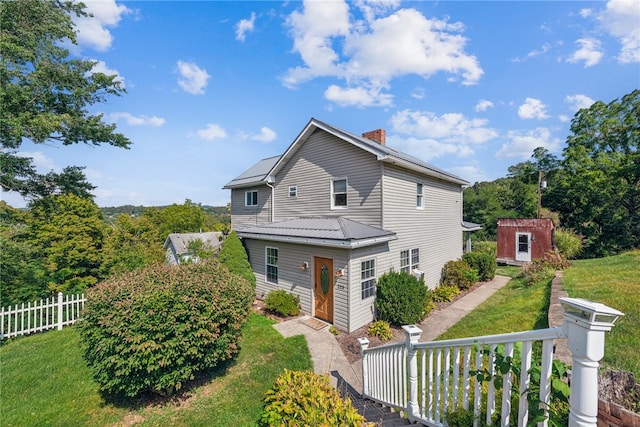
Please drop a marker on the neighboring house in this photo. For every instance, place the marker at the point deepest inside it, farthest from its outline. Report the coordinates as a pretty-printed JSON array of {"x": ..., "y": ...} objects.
[
  {"x": 521, "y": 240},
  {"x": 177, "y": 245},
  {"x": 336, "y": 211}
]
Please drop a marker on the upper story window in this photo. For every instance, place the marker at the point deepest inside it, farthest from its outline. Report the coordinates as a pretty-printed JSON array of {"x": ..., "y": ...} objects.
[
  {"x": 293, "y": 191},
  {"x": 251, "y": 198},
  {"x": 368, "y": 278},
  {"x": 272, "y": 265},
  {"x": 409, "y": 260},
  {"x": 419, "y": 196},
  {"x": 339, "y": 193}
]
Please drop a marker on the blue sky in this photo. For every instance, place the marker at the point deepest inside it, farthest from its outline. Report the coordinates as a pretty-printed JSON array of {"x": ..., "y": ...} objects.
[{"x": 213, "y": 87}]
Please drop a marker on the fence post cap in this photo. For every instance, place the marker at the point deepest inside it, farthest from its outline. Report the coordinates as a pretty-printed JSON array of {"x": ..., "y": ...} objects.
[
  {"x": 590, "y": 313},
  {"x": 364, "y": 343},
  {"x": 412, "y": 332}
]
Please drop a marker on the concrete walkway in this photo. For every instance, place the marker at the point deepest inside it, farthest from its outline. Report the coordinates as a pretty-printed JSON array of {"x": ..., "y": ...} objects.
[{"x": 328, "y": 358}]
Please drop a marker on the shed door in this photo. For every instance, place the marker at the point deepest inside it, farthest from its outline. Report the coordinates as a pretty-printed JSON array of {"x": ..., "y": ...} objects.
[
  {"x": 323, "y": 288},
  {"x": 523, "y": 247}
]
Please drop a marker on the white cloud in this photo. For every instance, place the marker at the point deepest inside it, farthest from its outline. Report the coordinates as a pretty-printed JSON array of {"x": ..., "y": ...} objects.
[
  {"x": 578, "y": 102},
  {"x": 368, "y": 54},
  {"x": 101, "y": 67},
  {"x": 245, "y": 26},
  {"x": 483, "y": 105},
  {"x": 449, "y": 128},
  {"x": 265, "y": 135},
  {"x": 211, "y": 132},
  {"x": 92, "y": 30},
  {"x": 193, "y": 79},
  {"x": 470, "y": 173},
  {"x": 621, "y": 18},
  {"x": 428, "y": 148},
  {"x": 357, "y": 96},
  {"x": 42, "y": 163},
  {"x": 136, "y": 120},
  {"x": 522, "y": 143},
  {"x": 585, "y": 13},
  {"x": 590, "y": 52},
  {"x": 533, "y": 109}
]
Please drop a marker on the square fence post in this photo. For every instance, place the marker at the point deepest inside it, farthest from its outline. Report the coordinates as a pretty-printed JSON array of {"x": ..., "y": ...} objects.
[
  {"x": 585, "y": 323},
  {"x": 412, "y": 334},
  {"x": 364, "y": 344},
  {"x": 60, "y": 297}
]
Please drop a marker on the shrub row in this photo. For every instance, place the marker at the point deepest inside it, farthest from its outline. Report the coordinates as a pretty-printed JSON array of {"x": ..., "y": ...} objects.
[
  {"x": 400, "y": 298},
  {"x": 155, "y": 328},
  {"x": 303, "y": 398},
  {"x": 484, "y": 264},
  {"x": 234, "y": 257}
]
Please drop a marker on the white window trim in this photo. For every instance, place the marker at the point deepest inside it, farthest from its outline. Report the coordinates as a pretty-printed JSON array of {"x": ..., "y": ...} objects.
[
  {"x": 266, "y": 265},
  {"x": 245, "y": 198},
  {"x": 333, "y": 199},
  {"x": 410, "y": 266},
  {"x": 420, "y": 196},
  {"x": 372, "y": 277}
]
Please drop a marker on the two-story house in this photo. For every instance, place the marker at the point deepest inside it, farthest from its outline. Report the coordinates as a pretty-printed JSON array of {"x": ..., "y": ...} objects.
[{"x": 336, "y": 211}]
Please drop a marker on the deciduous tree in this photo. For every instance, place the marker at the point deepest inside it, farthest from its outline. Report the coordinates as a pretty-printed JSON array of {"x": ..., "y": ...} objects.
[{"x": 45, "y": 93}]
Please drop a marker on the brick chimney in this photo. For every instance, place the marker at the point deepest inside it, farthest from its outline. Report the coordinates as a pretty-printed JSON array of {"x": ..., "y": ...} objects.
[{"x": 378, "y": 135}]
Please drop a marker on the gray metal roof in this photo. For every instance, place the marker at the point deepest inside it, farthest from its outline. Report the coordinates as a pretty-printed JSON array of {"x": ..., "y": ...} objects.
[
  {"x": 255, "y": 175},
  {"x": 180, "y": 241},
  {"x": 259, "y": 173},
  {"x": 471, "y": 226},
  {"x": 332, "y": 231}
]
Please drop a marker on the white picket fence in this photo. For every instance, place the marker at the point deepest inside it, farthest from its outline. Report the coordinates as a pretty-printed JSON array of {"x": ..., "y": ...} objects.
[
  {"x": 38, "y": 316},
  {"x": 427, "y": 380}
]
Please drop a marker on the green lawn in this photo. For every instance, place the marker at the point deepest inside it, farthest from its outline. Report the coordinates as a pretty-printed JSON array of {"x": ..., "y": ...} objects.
[
  {"x": 614, "y": 281},
  {"x": 44, "y": 381}
]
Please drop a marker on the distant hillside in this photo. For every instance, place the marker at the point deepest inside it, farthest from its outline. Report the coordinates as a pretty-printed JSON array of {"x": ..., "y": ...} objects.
[{"x": 110, "y": 213}]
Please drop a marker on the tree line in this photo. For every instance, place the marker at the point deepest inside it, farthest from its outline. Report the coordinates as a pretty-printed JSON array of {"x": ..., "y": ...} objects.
[
  {"x": 593, "y": 188},
  {"x": 62, "y": 243}
]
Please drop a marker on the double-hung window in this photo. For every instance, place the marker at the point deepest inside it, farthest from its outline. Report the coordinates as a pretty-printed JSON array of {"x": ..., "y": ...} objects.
[
  {"x": 339, "y": 193},
  {"x": 419, "y": 196},
  {"x": 409, "y": 260},
  {"x": 368, "y": 278},
  {"x": 272, "y": 265},
  {"x": 293, "y": 191},
  {"x": 251, "y": 198}
]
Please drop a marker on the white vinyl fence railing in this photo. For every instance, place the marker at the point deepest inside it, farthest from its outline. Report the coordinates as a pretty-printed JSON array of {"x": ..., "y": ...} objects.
[
  {"x": 37, "y": 316},
  {"x": 427, "y": 380}
]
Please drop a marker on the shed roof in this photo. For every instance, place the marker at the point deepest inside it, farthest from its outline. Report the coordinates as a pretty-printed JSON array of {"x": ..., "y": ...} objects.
[
  {"x": 526, "y": 222},
  {"x": 332, "y": 231},
  {"x": 382, "y": 152}
]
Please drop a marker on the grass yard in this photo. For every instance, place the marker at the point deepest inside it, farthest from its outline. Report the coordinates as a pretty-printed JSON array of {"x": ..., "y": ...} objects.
[
  {"x": 44, "y": 381},
  {"x": 513, "y": 308},
  {"x": 614, "y": 281}
]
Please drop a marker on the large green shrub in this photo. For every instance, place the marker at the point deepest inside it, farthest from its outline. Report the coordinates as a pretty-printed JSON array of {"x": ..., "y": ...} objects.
[
  {"x": 484, "y": 264},
  {"x": 485, "y": 247},
  {"x": 156, "y": 327},
  {"x": 569, "y": 244},
  {"x": 282, "y": 302},
  {"x": 303, "y": 398},
  {"x": 400, "y": 298},
  {"x": 234, "y": 257},
  {"x": 460, "y": 274}
]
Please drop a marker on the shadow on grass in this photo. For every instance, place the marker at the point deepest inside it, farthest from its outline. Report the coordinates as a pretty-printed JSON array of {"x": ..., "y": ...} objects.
[
  {"x": 150, "y": 398},
  {"x": 542, "y": 321}
]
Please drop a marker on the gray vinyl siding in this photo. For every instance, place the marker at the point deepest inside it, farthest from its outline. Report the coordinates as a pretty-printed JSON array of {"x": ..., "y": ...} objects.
[
  {"x": 242, "y": 216},
  {"x": 435, "y": 230},
  {"x": 320, "y": 159},
  {"x": 300, "y": 282},
  {"x": 363, "y": 311}
]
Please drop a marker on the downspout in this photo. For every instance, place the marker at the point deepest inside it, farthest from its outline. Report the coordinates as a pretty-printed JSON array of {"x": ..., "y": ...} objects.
[{"x": 273, "y": 197}]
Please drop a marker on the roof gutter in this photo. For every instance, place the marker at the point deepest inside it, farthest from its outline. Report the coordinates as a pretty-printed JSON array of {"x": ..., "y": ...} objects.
[
  {"x": 330, "y": 243},
  {"x": 273, "y": 198}
]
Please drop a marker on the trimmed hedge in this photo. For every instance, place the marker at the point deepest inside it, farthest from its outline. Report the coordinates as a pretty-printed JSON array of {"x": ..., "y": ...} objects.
[
  {"x": 282, "y": 302},
  {"x": 303, "y": 398},
  {"x": 401, "y": 298},
  {"x": 154, "y": 328},
  {"x": 234, "y": 257},
  {"x": 484, "y": 264}
]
